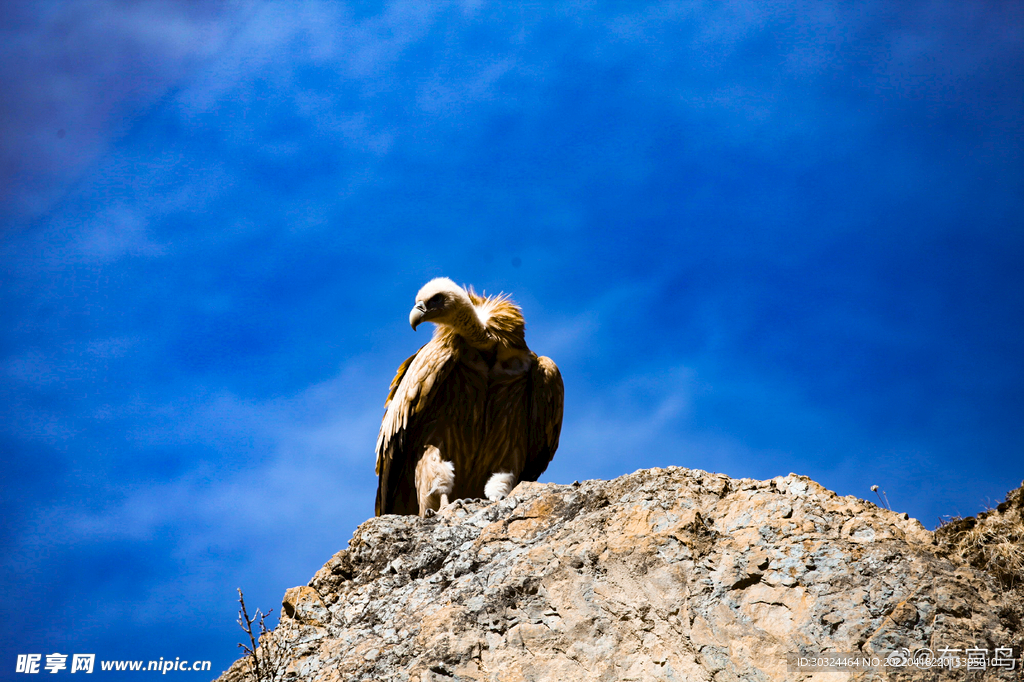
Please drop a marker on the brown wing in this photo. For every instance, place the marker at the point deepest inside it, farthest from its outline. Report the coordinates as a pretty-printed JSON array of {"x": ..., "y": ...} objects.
[
  {"x": 398, "y": 380},
  {"x": 546, "y": 397},
  {"x": 411, "y": 391}
]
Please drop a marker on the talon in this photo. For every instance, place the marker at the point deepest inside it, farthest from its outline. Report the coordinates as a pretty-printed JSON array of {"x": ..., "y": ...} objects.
[{"x": 429, "y": 513}]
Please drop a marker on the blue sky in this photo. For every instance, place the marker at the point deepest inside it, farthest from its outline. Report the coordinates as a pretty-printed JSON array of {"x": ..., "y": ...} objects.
[{"x": 757, "y": 238}]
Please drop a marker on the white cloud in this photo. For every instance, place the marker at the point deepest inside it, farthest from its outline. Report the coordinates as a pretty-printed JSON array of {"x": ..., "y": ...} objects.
[
  {"x": 280, "y": 516},
  {"x": 302, "y": 449},
  {"x": 118, "y": 231},
  {"x": 75, "y": 77}
]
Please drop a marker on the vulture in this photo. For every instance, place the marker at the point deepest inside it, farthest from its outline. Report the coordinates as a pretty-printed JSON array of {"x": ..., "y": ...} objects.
[{"x": 471, "y": 413}]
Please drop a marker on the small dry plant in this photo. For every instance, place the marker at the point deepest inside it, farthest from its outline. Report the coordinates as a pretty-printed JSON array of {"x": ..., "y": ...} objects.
[
  {"x": 263, "y": 653},
  {"x": 997, "y": 548},
  {"x": 994, "y": 541}
]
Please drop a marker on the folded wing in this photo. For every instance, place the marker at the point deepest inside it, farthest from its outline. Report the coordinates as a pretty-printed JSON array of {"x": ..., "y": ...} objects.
[
  {"x": 545, "y": 421},
  {"x": 412, "y": 390}
]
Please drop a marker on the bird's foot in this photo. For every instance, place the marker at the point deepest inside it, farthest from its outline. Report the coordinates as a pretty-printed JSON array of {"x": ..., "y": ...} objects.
[{"x": 443, "y": 504}]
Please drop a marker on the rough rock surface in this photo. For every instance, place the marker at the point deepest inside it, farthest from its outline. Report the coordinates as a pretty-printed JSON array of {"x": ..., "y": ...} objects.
[{"x": 664, "y": 574}]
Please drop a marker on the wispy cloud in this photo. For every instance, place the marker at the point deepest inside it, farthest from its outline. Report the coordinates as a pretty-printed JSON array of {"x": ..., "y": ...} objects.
[{"x": 75, "y": 76}]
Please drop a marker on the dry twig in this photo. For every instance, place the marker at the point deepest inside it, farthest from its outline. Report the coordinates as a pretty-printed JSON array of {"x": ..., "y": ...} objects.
[{"x": 264, "y": 655}]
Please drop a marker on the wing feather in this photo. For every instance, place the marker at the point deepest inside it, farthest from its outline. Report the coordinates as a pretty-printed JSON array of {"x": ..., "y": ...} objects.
[
  {"x": 546, "y": 400},
  {"x": 411, "y": 392}
]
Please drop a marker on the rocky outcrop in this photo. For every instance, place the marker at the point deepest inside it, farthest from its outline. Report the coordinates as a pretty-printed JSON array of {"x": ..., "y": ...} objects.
[{"x": 664, "y": 574}]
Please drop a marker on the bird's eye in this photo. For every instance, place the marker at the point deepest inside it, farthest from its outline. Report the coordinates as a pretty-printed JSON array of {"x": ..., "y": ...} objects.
[{"x": 435, "y": 301}]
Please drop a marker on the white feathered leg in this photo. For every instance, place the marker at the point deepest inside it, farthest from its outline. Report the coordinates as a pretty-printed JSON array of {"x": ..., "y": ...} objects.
[
  {"x": 499, "y": 486},
  {"x": 435, "y": 480}
]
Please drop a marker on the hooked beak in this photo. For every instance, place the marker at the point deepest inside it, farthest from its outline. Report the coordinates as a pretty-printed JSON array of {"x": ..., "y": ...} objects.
[{"x": 416, "y": 314}]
